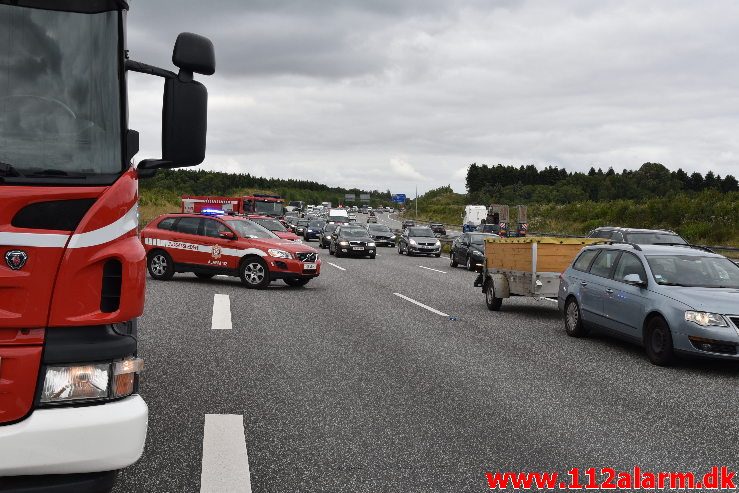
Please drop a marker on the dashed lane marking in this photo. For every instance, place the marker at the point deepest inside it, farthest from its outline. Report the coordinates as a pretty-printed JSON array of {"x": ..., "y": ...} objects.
[
  {"x": 225, "y": 465},
  {"x": 221, "y": 313},
  {"x": 429, "y": 268},
  {"x": 337, "y": 266},
  {"x": 432, "y": 310}
]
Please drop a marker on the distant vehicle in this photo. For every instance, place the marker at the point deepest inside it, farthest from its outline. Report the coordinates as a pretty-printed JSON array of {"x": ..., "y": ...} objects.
[
  {"x": 275, "y": 226},
  {"x": 489, "y": 228},
  {"x": 469, "y": 250},
  {"x": 638, "y": 236},
  {"x": 382, "y": 235},
  {"x": 669, "y": 299},
  {"x": 473, "y": 216},
  {"x": 438, "y": 229},
  {"x": 298, "y": 204},
  {"x": 408, "y": 224},
  {"x": 338, "y": 216},
  {"x": 352, "y": 217},
  {"x": 364, "y": 209},
  {"x": 314, "y": 229},
  {"x": 228, "y": 245},
  {"x": 326, "y": 205},
  {"x": 291, "y": 221},
  {"x": 355, "y": 208},
  {"x": 351, "y": 241},
  {"x": 419, "y": 240},
  {"x": 371, "y": 219},
  {"x": 300, "y": 226},
  {"x": 325, "y": 237}
]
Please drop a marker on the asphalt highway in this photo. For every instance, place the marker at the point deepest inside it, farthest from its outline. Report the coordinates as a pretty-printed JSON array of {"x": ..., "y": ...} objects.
[{"x": 390, "y": 375}]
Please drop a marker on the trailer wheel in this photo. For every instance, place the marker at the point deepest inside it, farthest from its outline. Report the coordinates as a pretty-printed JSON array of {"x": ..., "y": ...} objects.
[{"x": 491, "y": 301}]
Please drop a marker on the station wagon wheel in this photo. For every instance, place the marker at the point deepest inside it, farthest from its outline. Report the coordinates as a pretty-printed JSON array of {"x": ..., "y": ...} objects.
[
  {"x": 254, "y": 273},
  {"x": 658, "y": 342},
  {"x": 160, "y": 265},
  {"x": 491, "y": 301},
  {"x": 573, "y": 320},
  {"x": 452, "y": 262},
  {"x": 469, "y": 265}
]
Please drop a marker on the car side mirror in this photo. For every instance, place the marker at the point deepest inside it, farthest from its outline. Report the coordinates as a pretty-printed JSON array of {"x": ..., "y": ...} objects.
[
  {"x": 227, "y": 235},
  {"x": 635, "y": 280}
]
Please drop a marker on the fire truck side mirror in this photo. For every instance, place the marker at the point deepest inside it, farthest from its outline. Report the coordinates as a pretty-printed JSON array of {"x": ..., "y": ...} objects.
[{"x": 184, "y": 123}]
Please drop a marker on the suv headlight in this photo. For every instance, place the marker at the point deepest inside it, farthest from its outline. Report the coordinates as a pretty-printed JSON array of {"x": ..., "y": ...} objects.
[
  {"x": 438, "y": 243},
  {"x": 705, "y": 319},
  {"x": 274, "y": 252},
  {"x": 412, "y": 241},
  {"x": 371, "y": 244},
  {"x": 343, "y": 243},
  {"x": 90, "y": 381}
]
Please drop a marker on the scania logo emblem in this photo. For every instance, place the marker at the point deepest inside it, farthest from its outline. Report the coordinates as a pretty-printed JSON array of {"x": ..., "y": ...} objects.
[{"x": 16, "y": 259}]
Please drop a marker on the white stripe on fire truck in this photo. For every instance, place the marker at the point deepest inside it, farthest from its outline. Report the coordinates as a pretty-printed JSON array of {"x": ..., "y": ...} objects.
[
  {"x": 107, "y": 233},
  {"x": 33, "y": 240}
]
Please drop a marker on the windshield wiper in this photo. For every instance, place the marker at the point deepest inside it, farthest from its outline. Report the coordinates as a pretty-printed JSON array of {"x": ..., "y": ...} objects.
[{"x": 55, "y": 173}]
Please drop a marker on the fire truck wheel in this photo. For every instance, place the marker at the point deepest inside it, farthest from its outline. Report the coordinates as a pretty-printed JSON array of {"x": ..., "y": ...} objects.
[
  {"x": 160, "y": 265},
  {"x": 254, "y": 273}
]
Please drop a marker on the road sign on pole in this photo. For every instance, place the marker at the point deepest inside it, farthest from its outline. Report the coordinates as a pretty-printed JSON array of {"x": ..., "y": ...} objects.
[
  {"x": 399, "y": 198},
  {"x": 350, "y": 197},
  {"x": 364, "y": 197}
]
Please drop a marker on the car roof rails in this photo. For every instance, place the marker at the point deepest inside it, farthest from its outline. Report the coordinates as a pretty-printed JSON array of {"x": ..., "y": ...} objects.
[{"x": 632, "y": 245}]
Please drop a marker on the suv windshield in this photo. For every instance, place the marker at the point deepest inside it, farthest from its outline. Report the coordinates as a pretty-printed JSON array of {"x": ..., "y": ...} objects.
[
  {"x": 248, "y": 229},
  {"x": 353, "y": 233},
  {"x": 379, "y": 228},
  {"x": 270, "y": 224},
  {"x": 654, "y": 238},
  {"x": 694, "y": 271},
  {"x": 421, "y": 232},
  {"x": 60, "y": 109}
]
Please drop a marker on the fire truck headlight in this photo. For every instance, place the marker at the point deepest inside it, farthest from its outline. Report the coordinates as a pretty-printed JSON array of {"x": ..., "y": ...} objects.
[
  {"x": 90, "y": 381},
  {"x": 75, "y": 382}
]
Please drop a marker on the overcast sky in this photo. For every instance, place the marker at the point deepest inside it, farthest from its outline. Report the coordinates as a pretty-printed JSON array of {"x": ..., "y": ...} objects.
[{"x": 393, "y": 94}]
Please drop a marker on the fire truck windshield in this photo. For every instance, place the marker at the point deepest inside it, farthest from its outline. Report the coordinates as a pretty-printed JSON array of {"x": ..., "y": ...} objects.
[
  {"x": 60, "y": 106},
  {"x": 271, "y": 208}
]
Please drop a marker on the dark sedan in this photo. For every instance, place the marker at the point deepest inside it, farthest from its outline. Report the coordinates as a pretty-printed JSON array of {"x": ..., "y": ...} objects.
[
  {"x": 300, "y": 226},
  {"x": 313, "y": 229},
  {"x": 352, "y": 241},
  {"x": 324, "y": 239},
  {"x": 438, "y": 229},
  {"x": 469, "y": 250},
  {"x": 382, "y": 235}
]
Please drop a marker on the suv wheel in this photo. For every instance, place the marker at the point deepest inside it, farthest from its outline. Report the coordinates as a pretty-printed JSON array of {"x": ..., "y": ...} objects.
[
  {"x": 491, "y": 301},
  {"x": 468, "y": 265},
  {"x": 160, "y": 265},
  {"x": 573, "y": 321},
  {"x": 658, "y": 342},
  {"x": 254, "y": 273}
]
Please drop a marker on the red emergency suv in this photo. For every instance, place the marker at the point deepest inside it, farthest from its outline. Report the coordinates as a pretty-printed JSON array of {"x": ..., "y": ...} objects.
[{"x": 207, "y": 245}]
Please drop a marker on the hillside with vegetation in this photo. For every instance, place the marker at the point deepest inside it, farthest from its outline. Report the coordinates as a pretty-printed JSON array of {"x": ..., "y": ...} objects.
[
  {"x": 162, "y": 193},
  {"x": 704, "y": 209}
]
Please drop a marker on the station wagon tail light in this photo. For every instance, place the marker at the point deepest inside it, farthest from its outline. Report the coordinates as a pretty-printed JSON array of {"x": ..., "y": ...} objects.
[{"x": 706, "y": 319}]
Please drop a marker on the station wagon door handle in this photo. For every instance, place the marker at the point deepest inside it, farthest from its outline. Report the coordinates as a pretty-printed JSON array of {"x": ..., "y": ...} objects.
[{"x": 609, "y": 291}]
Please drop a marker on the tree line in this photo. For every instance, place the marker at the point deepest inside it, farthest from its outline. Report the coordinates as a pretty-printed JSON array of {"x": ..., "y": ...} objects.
[{"x": 554, "y": 185}]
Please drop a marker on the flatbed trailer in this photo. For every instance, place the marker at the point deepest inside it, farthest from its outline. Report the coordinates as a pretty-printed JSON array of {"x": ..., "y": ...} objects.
[{"x": 528, "y": 266}]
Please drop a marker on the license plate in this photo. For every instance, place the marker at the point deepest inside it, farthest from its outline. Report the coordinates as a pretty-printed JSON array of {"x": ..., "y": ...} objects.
[
  {"x": 309, "y": 266},
  {"x": 357, "y": 248}
]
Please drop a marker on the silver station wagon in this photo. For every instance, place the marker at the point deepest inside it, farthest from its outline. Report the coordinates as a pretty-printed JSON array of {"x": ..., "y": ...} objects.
[{"x": 670, "y": 299}]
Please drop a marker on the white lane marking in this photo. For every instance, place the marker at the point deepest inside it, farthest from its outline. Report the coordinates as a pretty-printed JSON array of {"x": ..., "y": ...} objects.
[
  {"x": 429, "y": 268},
  {"x": 221, "y": 313},
  {"x": 225, "y": 465},
  {"x": 432, "y": 310},
  {"x": 337, "y": 266}
]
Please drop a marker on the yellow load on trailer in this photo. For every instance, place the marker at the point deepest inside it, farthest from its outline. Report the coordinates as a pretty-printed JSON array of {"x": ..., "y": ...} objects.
[{"x": 528, "y": 266}]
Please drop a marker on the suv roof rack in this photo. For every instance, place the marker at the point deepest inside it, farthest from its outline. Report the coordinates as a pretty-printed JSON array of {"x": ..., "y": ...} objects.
[{"x": 633, "y": 245}]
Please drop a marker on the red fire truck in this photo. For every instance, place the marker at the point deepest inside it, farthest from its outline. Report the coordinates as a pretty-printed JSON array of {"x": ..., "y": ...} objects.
[
  {"x": 266, "y": 205},
  {"x": 72, "y": 269}
]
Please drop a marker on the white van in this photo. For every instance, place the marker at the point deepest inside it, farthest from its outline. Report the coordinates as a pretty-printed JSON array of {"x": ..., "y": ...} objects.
[{"x": 338, "y": 216}]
